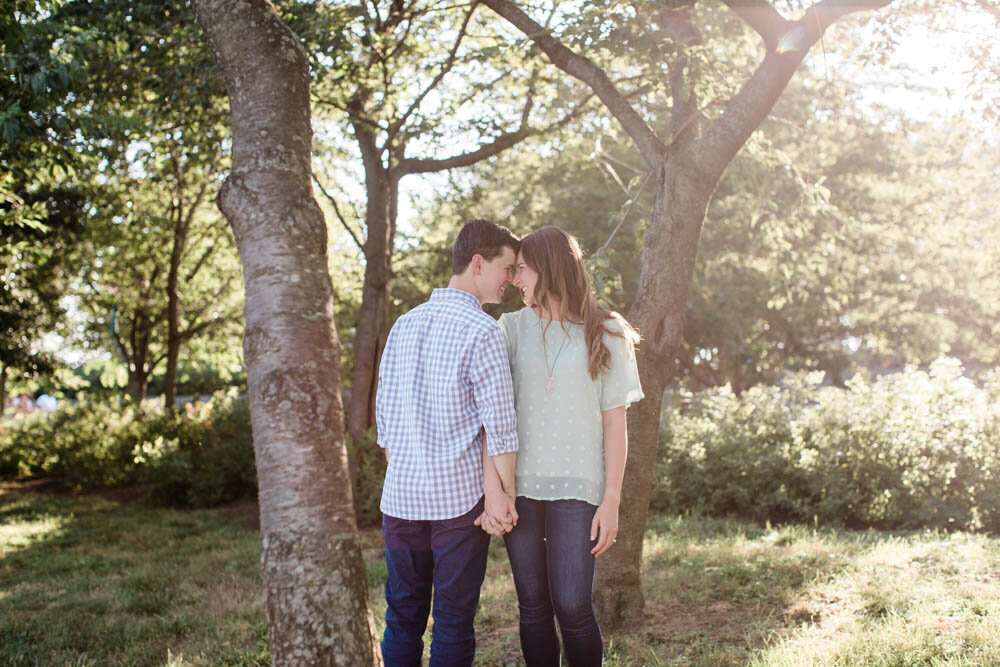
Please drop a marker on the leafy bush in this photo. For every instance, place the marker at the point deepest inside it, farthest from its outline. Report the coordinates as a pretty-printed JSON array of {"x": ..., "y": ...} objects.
[
  {"x": 198, "y": 457},
  {"x": 918, "y": 448}
]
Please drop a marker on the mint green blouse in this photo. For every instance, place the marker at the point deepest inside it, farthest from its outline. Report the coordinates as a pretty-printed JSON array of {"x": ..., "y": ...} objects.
[{"x": 560, "y": 434}]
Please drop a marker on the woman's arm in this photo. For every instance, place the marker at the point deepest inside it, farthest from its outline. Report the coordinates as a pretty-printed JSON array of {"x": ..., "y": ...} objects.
[
  {"x": 499, "y": 515},
  {"x": 604, "y": 527}
]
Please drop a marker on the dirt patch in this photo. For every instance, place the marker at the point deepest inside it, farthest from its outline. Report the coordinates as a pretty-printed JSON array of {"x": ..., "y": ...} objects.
[
  {"x": 803, "y": 612},
  {"x": 13, "y": 487},
  {"x": 726, "y": 622},
  {"x": 245, "y": 511},
  {"x": 55, "y": 487}
]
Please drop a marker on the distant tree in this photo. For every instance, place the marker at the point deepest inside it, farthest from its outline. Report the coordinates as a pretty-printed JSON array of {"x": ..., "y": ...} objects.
[
  {"x": 125, "y": 98},
  {"x": 418, "y": 102}
]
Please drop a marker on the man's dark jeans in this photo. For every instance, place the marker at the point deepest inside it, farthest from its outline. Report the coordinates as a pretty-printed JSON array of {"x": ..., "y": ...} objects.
[
  {"x": 549, "y": 552},
  {"x": 448, "y": 555}
]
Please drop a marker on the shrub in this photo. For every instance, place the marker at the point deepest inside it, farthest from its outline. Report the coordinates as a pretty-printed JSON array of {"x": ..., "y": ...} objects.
[
  {"x": 196, "y": 458},
  {"x": 86, "y": 445},
  {"x": 201, "y": 458},
  {"x": 918, "y": 448}
]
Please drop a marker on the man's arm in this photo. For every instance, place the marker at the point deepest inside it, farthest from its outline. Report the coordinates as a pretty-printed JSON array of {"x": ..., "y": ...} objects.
[{"x": 493, "y": 392}]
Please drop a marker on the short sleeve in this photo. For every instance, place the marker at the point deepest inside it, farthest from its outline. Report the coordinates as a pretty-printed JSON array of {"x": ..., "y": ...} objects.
[
  {"x": 620, "y": 383},
  {"x": 508, "y": 325}
]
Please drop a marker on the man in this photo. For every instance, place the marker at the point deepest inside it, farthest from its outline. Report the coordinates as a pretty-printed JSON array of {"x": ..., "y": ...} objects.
[{"x": 444, "y": 382}]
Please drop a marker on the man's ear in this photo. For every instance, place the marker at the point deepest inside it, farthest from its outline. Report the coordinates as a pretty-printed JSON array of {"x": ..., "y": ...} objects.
[{"x": 477, "y": 264}]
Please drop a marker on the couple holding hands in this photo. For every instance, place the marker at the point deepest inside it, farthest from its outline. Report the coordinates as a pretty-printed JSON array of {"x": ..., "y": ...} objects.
[{"x": 512, "y": 428}]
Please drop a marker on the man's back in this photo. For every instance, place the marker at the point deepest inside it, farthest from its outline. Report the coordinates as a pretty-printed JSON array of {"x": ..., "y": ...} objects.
[{"x": 444, "y": 377}]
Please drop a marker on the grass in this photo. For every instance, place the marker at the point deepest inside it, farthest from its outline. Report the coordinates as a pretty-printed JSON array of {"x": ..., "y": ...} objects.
[{"x": 85, "y": 580}]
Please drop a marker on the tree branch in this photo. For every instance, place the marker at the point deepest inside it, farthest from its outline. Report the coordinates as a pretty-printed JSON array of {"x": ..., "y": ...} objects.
[
  {"x": 445, "y": 68},
  {"x": 336, "y": 210},
  {"x": 201, "y": 261},
  {"x": 762, "y": 17},
  {"x": 750, "y": 106},
  {"x": 498, "y": 145},
  {"x": 652, "y": 149},
  {"x": 684, "y": 113}
]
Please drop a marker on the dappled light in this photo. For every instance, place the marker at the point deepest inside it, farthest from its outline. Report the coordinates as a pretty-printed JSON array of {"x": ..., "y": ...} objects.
[{"x": 223, "y": 225}]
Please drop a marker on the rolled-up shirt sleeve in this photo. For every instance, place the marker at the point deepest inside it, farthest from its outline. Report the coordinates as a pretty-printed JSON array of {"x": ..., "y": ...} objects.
[{"x": 493, "y": 390}]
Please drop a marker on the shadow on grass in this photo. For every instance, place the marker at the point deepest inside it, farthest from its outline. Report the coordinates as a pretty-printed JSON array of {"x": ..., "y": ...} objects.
[
  {"x": 87, "y": 580},
  {"x": 717, "y": 589},
  {"x": 90, "y": 580}
]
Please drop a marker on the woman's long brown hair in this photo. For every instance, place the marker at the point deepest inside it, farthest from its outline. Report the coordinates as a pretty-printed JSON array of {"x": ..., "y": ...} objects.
[{"x": 556, "y": 257}]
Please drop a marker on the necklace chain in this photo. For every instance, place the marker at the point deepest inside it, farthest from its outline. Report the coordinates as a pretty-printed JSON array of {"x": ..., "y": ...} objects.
[{"x": 550, "y": 382}]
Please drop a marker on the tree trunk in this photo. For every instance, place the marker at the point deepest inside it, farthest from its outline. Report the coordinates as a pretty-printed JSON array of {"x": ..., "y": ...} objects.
[
  {"x": 173, "y": 319},
  {"x": 618, "y": 586},
  {"x": 3, "y": 388},
  {"x": 138, "y": 364},
  {"x": 373, "y": 319},
  {"x": 668, "y": 262},
  {"x": 314, "y": 578}
]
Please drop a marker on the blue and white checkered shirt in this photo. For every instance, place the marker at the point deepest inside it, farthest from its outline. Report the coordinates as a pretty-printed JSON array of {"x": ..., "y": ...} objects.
[{"x": 444, "y": 377}]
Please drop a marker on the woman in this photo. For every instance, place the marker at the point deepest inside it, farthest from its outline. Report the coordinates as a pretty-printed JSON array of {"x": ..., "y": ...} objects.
[{"x": 574, "y": 372}]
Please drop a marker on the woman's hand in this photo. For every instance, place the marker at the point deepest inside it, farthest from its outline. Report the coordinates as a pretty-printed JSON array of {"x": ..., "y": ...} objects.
[
  {"x": 604, "y": 527},
  {"x": 500, "y": 515},
  {"x": 489, "y": 524}
]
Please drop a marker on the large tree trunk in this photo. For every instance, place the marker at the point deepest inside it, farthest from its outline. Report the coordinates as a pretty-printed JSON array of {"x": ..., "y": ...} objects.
[
  {"x": 668, "y": 264},
  {"x": 314, "y": 578}
]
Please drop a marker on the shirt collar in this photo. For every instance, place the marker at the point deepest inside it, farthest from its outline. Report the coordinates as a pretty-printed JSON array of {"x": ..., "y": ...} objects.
[{"x": 455, "y": 295}]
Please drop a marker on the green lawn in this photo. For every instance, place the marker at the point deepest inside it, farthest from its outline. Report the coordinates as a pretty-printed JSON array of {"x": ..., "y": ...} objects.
[{"x": 88, "y": 580}]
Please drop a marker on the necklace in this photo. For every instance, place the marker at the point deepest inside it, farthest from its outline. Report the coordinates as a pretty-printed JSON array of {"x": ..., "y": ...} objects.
[{"x": 550, "y": 381}]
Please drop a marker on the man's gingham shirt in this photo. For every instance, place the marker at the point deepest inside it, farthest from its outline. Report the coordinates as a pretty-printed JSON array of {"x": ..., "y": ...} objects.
[{"x": 444, "y": 377}]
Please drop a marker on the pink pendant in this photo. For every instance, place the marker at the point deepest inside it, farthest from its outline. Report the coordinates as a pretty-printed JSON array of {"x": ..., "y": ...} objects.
[{"x": 550, "y": 385}]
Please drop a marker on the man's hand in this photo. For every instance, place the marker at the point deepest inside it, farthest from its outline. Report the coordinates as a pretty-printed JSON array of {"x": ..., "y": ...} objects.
[
  {"x": 489, "y": 524},
  {"x": 500, "y": 515}
]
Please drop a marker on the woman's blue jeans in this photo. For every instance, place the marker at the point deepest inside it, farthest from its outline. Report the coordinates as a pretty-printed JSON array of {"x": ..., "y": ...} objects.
[{"x": 549, "y": 553}]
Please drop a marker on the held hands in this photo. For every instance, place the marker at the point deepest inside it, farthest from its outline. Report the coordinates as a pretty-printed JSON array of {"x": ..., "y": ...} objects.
[
  {"x": 604, "y": 527},
  {"x": 500, "y": 516}
]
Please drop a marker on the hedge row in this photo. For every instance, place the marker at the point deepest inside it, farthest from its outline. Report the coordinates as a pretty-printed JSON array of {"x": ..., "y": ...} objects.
[
  {"x": 198, "y": 457},
  {"x": 912, "y": 449}
]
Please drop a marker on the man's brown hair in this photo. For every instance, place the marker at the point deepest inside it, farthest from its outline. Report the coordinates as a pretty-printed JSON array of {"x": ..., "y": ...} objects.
[{"x": 480, "y": 237}]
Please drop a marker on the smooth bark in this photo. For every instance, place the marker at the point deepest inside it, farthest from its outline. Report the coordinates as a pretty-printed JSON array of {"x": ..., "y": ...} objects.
[{"x": 314, "y": 578}]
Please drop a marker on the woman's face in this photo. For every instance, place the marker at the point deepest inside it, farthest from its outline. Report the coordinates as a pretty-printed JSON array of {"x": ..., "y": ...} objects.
[{"x": 525, "y": 279}]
